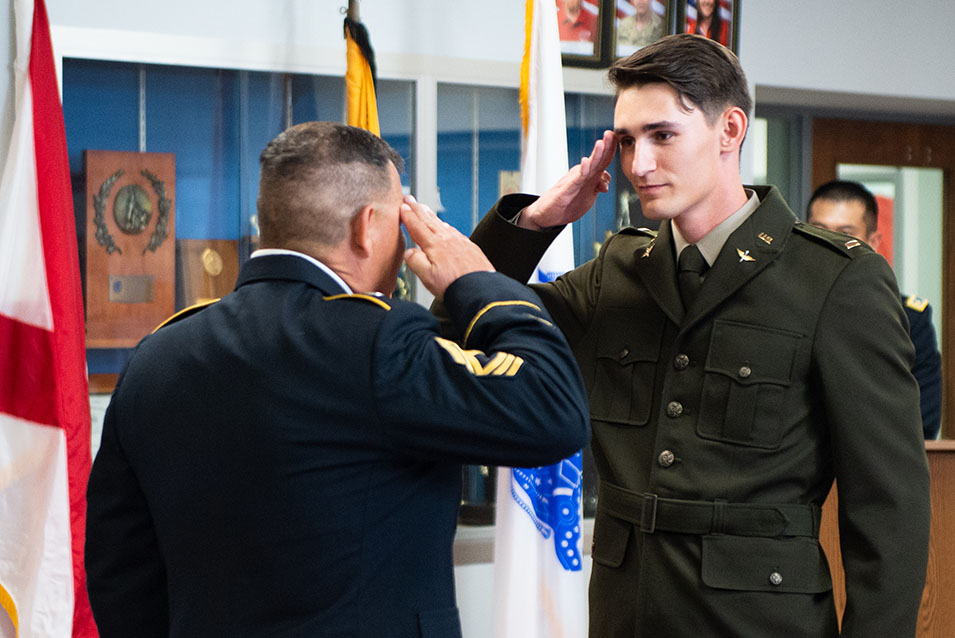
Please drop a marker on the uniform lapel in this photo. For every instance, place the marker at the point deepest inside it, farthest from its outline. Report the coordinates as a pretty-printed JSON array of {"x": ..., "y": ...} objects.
[
  {"x": 656, "y": 267},
  {"x": 750, "y": 249}
]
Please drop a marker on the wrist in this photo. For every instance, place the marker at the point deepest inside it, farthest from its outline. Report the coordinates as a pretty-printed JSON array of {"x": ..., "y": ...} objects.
[{"x": 525, "y": 220}]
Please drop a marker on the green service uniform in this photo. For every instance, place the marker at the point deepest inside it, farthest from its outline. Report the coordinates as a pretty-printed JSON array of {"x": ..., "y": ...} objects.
[{"x": 718, "y": 430}]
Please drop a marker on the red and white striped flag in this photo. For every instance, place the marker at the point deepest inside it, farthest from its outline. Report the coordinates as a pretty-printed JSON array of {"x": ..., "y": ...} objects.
[{"x": 44, "y": 396}]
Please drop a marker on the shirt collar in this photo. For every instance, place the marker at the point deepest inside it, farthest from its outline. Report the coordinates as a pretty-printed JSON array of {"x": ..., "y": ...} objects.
[
  {"x": 263, "y": 252},
  {"x": 712, "y": 243}
]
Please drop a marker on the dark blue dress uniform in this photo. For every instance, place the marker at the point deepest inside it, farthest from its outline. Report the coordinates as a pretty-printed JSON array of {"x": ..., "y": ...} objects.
[
  {"x": 287, "y": 461},
  {"x": 719, "y": 429},
  {"x": 928, "y": 362}
]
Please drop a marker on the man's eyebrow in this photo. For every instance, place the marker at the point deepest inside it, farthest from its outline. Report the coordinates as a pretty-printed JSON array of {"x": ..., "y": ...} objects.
[{"x": 650, "y": 127}]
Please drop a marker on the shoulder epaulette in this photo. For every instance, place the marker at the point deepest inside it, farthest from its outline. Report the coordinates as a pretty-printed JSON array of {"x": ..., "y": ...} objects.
[
  {"x": 186, "y": 312},
  {"x": 916, "y": 303},
  {"x": 645, "y": 232},
  {"x": 844, "y": 244},
  {"x": 378, "y": 301}
]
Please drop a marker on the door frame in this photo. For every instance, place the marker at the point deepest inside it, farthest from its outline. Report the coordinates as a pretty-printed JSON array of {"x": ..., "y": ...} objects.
[{"x": 844, "y": 141}]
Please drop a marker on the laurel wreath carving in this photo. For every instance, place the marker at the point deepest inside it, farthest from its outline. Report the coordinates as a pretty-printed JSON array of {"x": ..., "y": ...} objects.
[
  {"x": 103, "y": 236},
  {"x": 162, "y": 224},
  {"x": 160, "y": 232}
]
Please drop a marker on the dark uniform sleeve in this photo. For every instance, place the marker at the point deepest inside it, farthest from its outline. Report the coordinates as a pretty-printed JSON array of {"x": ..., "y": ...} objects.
[
  {"x": 928, "y": 364},
  {"x": 516, "y": 251},
  {"x": 125, "y": 572},
  {"x": 863, "y": 359},
  {"x": 507, "y": 393}
]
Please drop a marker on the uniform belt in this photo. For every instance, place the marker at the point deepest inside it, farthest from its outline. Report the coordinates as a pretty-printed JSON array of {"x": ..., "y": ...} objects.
[{"x": 652, "y": 513}]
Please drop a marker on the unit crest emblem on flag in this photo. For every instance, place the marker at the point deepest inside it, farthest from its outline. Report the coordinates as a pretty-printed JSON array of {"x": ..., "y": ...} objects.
[{"x": 551, "y": 497}]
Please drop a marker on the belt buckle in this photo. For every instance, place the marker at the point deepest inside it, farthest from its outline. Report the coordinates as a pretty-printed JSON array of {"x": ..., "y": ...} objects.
[{"x": 648, "y": 513}]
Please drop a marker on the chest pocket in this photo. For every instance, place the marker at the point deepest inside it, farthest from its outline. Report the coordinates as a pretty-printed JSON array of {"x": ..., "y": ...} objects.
[
  {"x": 748, "y": 371},
  {"x": 628, "y": 348}
]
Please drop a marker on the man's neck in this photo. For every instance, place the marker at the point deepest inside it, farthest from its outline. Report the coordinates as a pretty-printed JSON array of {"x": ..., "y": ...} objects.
[{"x": 695, "y": 225}]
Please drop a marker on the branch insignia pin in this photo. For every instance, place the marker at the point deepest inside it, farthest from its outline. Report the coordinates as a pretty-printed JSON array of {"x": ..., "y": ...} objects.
[
  {"x": 744, "y": 255},
  {"x": 646, "y": 253}
]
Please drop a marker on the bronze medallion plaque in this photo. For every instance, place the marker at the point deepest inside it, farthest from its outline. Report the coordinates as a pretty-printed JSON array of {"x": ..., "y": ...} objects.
[{"x": 130, "y": 245}]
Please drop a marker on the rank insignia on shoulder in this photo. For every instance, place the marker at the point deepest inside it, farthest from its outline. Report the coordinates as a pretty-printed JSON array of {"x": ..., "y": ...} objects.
[
  {"x": 853, "y": 243},
  {"x": 916, "y": 303},
  {"x": 744, "y": 255}
]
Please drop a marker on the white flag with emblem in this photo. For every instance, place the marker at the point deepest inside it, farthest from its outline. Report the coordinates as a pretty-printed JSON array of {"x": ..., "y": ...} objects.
[{"x": 540, "y": 588}]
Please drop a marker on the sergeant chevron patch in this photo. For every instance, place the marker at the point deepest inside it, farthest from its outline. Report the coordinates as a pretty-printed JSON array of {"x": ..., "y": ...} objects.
[{"x": 502, "y": 364}]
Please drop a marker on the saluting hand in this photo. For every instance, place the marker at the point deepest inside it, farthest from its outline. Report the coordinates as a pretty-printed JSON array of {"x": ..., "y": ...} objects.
[
  {"x": 574, "y": 193},
  {"x": 442, "y": 254}
]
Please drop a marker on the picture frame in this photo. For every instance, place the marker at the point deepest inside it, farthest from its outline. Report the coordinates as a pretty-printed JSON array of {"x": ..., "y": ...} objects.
[
  {"x": 583, "y": 26},
  {"x": 637, "y": 23},
  {"x": 727, "y": 33}
]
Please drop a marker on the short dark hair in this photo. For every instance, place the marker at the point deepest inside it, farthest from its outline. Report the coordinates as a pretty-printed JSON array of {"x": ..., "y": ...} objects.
[
  {"x": 315, "y": 177},
  {"x": 845, "y": 191},
  {"x": 703, "y": 73}
]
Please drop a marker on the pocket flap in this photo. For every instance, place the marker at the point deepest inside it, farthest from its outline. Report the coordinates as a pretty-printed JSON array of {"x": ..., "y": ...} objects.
[
  {"x": 751, "y": 354},
  {"x": 611, "y": 536},
  {"x": 788, "y": 565}
]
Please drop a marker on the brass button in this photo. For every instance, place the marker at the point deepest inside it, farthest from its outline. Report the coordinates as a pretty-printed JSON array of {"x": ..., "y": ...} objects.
[
  {"x": 674, "y": 409},
  {"x": 681, "y": 362},
  {"x": 745, "y": 371},
  {"x": 666, "y": 458},
  {"x": 624, "y": 352},
  {"x": 776, "y": 579}
]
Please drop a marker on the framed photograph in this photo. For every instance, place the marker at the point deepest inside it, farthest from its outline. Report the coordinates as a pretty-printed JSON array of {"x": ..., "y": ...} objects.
[
  {"x": 716, "y": 19},
  {"x": 582, "y": 28},
  {"x": 637, "y": 23}
]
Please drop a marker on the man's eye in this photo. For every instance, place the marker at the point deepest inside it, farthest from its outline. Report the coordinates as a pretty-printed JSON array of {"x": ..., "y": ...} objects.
[
  {"x": 663, "y": 136},
  {"x": 626, "y": 142}
]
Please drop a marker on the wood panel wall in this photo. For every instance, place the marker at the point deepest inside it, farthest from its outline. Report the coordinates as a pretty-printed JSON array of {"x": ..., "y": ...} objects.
[{"x": 937, "y": 613}]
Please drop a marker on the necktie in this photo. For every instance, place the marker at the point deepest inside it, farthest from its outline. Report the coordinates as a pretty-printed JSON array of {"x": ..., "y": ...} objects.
[{"x": 692, "y": 265}]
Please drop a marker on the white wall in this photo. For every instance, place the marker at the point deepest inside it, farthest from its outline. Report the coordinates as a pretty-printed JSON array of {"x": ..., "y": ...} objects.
[{"x": 878, "y": 47}]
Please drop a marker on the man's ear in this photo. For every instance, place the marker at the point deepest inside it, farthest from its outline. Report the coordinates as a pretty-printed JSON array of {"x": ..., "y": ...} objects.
[
  {"x": 362, "y": 232},
  {"x": 734, "y": 123},
  {"x": 874, "y": 240}
]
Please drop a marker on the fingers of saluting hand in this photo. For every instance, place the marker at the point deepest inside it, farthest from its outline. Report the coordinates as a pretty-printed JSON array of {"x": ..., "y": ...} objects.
[
  {"x": 422, "y": 223},
  {"x": 603, "y": 152},
  {"x": 442, "y": 253},
  {"x": 600, "y": 157}
]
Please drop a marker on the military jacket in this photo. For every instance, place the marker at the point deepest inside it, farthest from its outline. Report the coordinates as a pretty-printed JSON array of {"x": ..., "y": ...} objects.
[
  {"x": 719, "y": 429},
  {"x": 287, "y": 461}
]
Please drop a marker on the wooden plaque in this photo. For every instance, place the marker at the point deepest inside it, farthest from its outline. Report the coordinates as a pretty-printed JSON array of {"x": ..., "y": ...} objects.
[
  {"x": 208, "y": 268},
  {"x": 130, "y": 245}
]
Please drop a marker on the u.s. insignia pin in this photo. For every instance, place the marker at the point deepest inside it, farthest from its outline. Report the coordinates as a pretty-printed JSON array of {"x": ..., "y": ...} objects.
[{"x": 766, "y": 238}]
